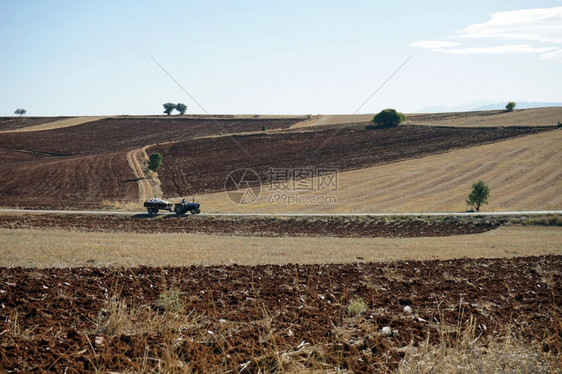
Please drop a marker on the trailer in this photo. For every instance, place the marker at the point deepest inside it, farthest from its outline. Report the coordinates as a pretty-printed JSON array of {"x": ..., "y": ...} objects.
[{"x": 153, "y": 206}]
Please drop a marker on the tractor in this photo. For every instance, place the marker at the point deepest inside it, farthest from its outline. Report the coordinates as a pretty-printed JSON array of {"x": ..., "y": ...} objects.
[{"x": 154, "y": 205}]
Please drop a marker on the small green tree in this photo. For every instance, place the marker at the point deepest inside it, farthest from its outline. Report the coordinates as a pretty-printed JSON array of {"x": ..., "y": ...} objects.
[
  {"x": 20, "y": 111},
  {"x": 388, "y": 118},
  {"x": 182, "y": 108},
  {"x": 510, "y": 106},
  {"x": 154, "y": 161},
  {"x": 479, "y": 195},
  {"x": 169, "y": 108},
  {"x": 263, "y": 128}
]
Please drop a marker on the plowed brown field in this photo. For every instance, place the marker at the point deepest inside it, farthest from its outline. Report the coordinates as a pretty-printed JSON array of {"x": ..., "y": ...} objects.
[
  {"x": 112, "y": 134},
  {"x": 344, "y": 227},
  {"x": 83, "y": 165},
  {"x": 67, "y": 182},
  {"x": 267, "y": 318},
  {"x": 203, "y": 165}
]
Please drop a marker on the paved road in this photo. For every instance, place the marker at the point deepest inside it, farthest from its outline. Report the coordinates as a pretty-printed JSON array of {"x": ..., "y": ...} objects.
[{"x": 442, "y": 214}]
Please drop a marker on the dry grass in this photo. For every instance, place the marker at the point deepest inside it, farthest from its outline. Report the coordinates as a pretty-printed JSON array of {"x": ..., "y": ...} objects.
[
  {"x": 61, "y": 248},
  {"x": 119, "y": 205},
  {"x": 61, "y": 123},
  {"x": 523, "y": 173},
  {"x": 459, "y": 349},
  {"x": 468, "y": 354}
]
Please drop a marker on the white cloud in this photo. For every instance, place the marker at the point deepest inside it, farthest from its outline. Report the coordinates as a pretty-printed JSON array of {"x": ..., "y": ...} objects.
[
  {"x": 553, "y": 55},
  {"x": 433, "y": 44},
  {"x": 499, "y": 50},
  {"x": 541, "y": 26}
]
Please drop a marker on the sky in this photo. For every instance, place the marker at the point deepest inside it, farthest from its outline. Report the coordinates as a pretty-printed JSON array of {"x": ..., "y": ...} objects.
[{"x": 66, "y": 58}]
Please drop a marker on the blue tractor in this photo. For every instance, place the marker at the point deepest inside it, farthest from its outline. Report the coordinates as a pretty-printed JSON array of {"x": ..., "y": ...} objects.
[{"x": 154, "y": 205}]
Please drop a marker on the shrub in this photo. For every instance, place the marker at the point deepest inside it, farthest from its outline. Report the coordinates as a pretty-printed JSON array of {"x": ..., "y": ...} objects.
[
  {"x": 388, "y": 118},
  {"x": 155, "y": 161},
  {"x": 356, "y": 306},
  {"x": 510, "y": 106},
  {"x": 170, "y": 301}
]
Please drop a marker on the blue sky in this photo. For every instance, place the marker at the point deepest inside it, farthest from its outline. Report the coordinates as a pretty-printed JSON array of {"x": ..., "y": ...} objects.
[{"x": 275, "y": 57}]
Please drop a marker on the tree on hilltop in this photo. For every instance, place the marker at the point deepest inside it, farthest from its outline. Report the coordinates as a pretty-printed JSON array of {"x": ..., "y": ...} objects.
[
  {"x": 182, "y": 108},
  {"x": 510, "y": 106},
  {"x": 388, "y": 118},
  {"x": 169, "y": 108},
  {"x": 20, "y": 111}
]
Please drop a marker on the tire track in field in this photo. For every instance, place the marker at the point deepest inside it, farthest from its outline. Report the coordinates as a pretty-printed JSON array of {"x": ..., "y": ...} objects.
[{"x": 145, "y": 187}]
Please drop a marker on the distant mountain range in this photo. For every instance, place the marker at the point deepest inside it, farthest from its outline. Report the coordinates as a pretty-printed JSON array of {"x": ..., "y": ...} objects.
[{"x": 484, "y": 105}]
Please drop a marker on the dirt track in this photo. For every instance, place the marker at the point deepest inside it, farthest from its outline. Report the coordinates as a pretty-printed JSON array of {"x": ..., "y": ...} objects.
[
  {"x": 260, "y": 226},
  {"x": 261, "y": 317}
]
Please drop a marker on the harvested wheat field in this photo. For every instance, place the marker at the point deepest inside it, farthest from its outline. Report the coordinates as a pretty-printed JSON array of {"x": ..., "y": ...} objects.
[
  {"x": 549, "y": 116},
  {"x": 524, "y": 117},
  {"x": 523, "y": 174},
  {"x": 45, "y": 241},
  {"x": 192, "y": 169}
]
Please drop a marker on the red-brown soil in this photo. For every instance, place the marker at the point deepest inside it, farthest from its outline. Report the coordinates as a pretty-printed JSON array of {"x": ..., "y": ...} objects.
[
  {"x": 68, "y": 182},
  {"x": 16, "y": 123},
  {"x": 248, "y": 317},
  {"x": 203, "y": 165},
  {"x": 79, "y": 166},
  {"x": 257, "y": 226},
  {"x": 113, "y": 134}
]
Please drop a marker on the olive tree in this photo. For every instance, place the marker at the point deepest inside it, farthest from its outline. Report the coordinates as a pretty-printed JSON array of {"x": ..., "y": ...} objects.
[
  {"x": 479, "y": 195},
  {"x": 510, "y": 106},
  {"x": 20, "y": 111},
  {"x": 182, "y": 108},
  {"x": 388, "y": 118},
  {"x": 169, "y": 108}
]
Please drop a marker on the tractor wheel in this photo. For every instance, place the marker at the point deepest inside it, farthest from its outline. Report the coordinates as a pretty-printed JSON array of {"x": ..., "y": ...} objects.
[
  {"x": 178, "y": 209},
  {"x": 195, "y": 211},
  {"x": 150, "y": 211},
  {"x": 155, "y": 210}
]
